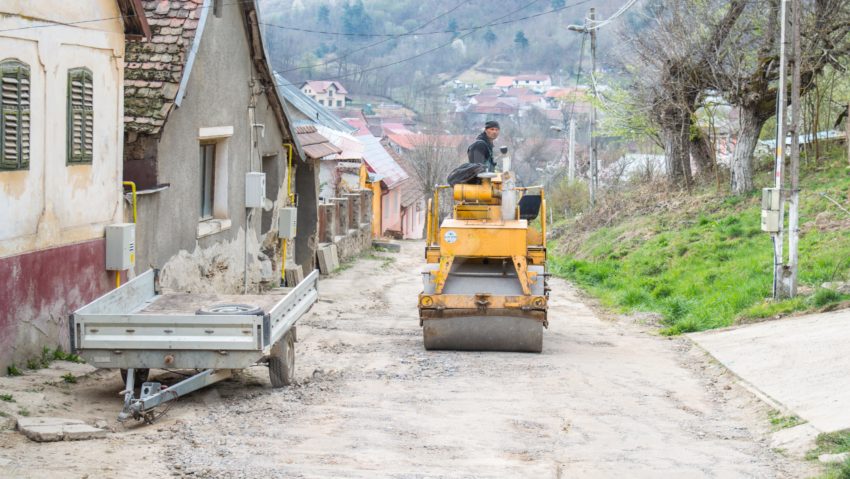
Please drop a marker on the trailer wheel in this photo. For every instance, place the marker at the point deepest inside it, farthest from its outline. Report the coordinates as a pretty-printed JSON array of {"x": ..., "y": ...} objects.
[
  {"x": 282, "y": 361},
  {"x": 140, "y": 376}
]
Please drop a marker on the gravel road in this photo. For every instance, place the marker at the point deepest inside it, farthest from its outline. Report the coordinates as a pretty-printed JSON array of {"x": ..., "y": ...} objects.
[{"x": 606, "y": 398}]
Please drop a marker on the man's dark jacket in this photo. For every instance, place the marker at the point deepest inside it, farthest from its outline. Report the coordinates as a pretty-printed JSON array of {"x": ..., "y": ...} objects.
[{"x": 481, "y": 151}]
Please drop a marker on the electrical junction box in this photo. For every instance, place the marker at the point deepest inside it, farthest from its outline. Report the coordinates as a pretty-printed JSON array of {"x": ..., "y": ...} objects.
[
  {"x": 771, "y": 206},
  {"x": 255, "y": 189},
  {"x": 120, "y": 246},
  {"x": 286, "y": 221},
  {"x": 771, "y": 199},
  {"x": 770, "y": 221}
]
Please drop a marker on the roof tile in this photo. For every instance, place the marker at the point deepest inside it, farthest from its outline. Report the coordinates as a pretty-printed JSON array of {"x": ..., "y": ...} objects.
[{"x": 153, "y": 70}]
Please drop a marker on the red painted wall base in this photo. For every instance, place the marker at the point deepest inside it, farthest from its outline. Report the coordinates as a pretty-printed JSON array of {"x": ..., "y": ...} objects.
[{"x": 38, "y": 291}]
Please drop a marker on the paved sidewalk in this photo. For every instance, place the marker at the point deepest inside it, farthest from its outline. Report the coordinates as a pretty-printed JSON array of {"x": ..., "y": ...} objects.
[{"x": 802, "y": 363}]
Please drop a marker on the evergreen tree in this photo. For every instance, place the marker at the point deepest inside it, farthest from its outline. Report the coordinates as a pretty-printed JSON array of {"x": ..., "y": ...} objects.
[
  {"x": 355, "y": 20},
  {"x": 490, "y": 37},
  {"x": 520, "y": 40},
  {"x": 324, "y": 15}
]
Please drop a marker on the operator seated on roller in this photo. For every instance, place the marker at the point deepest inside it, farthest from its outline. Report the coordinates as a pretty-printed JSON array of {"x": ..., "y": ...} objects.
[{"x": 481, "y": 150}]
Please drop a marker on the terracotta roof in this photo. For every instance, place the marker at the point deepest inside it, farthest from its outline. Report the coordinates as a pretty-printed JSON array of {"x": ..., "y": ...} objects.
[
  {"x": 517, "y": 91},
  {"x": 321, "y": 86},
  {"x": 360, "y": 124},
  {"x": 504, "y": 82},
  {"x": 154, "y": 69},
  {"x": 315, "y": 145},
  {"x": 400, "y": 139}
]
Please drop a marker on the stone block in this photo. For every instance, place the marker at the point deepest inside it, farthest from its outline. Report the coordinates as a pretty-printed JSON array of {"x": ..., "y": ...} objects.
[{"x": 51, "y": 429}]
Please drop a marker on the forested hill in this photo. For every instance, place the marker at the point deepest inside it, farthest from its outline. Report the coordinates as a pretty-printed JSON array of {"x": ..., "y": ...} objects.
[{"x": 375, "y": 46}]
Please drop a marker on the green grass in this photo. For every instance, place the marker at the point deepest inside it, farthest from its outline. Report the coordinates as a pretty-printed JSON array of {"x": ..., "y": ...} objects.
[
  {"x": 69, "y": 378},
  {"x": 13, "y": 371},
  {"x": 832, "y": 443},
  {"x": 24, "y": 411},
  {"x": 7, "y": 398},
  {"x": 778, "y": 421},
  {"x": 711, "y": 265}
]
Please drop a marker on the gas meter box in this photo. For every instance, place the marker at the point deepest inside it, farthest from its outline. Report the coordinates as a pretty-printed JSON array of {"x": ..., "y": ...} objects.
[
  {"x": 771, "y": 205},
  {"x": 286, "y": 222},
  {"x": 120, "y": 246},
  {"x": 255, "y": 189}
]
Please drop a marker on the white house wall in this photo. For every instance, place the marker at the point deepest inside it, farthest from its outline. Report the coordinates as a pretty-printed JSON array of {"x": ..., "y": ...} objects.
[{"x": 52, "y": 203}]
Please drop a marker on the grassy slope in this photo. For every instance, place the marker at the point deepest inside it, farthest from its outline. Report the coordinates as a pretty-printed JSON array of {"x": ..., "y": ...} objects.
[{"x": 704, "y": 263}]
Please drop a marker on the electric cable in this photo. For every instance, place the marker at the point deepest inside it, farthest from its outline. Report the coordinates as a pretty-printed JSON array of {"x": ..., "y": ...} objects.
[{"x": 443, "y": 45}]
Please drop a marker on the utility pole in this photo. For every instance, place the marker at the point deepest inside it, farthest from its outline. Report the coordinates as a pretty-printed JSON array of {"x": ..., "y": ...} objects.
[
  {"x": 779, "y": 236},
  {"x": 790, "y": 276},
  {"x": 594, "y": 166},
  {"x": 571, "y": 152},
  {"x": 589, "y": 27}
]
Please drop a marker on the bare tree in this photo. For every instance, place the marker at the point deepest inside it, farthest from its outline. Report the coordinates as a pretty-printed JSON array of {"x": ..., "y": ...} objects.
[
  {"x": 670, "y": 75},
  {"x": 747, "y": 74}
]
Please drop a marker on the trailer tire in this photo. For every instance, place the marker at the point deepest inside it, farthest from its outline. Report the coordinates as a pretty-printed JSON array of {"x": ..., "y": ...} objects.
[
  {"x": 282, "y": 361},
  {"x": 140, "y": 376}
]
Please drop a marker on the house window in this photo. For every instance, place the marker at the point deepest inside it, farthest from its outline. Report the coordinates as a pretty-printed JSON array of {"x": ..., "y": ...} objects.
[
  {"x": 80, "y": 115},
  {"x": 331, "y": 93},
  {"x": 321, "y": 102},
  {"x": 15, "y": 122},
  {"x": 213, "y": 175},
  {"x": 207, "y": 179},
  {"x": 339, "y": 103}
]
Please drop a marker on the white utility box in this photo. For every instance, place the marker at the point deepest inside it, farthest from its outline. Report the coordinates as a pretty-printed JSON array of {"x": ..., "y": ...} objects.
[
  {"x": 120, "y": 246},
  {"x": 771, "y": 206},
  {"x": 286, "y": 222},
  {"x": 255, "y": 189}
]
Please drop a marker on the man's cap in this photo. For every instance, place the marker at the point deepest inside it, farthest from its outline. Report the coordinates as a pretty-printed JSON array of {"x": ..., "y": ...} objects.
[{"x": 491, "y": 124}]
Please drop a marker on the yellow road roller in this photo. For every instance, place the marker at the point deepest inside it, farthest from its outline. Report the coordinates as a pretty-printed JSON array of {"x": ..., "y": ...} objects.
[{"x": 484, "y": 280}]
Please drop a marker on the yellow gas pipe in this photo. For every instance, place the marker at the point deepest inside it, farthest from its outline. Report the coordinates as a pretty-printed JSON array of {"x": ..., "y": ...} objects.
[
  {"x": 289, "y": 199},
  {"x": 132, "y": 186}
]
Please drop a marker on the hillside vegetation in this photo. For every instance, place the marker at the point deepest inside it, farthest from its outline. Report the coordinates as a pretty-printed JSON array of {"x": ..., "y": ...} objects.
[{"x": 700, "y": 260}]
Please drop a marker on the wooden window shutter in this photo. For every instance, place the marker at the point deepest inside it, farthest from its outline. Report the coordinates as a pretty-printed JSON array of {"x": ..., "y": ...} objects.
[
  {"x": 15, "y": 119},
  {"x": 80, "y": 115}
]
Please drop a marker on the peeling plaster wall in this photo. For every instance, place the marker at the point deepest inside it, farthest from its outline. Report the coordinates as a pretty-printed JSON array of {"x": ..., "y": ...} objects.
[
  {"x": 218, "y": 95},
  {"x": 52, "y": 215}
]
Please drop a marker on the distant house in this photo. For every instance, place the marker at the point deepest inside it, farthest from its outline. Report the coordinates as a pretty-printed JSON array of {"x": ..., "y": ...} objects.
[
  {"x": 532, "y": 81},
  {"x": 201, "y": 112},
  {"x": 326, "y": 93},
  {"x": 60, "y": 162}
]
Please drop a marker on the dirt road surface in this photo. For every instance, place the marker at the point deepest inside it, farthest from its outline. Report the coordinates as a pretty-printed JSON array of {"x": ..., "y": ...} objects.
[{"x": 607, "y": 398}]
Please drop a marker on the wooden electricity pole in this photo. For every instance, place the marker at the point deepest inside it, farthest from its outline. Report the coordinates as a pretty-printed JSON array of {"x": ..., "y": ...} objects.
[
  {"x": 779, "y": 235},
  {"x": 594, "y": 165},
  {"x": 790, "y": 277},
  {"x": 590, "y": 27}
]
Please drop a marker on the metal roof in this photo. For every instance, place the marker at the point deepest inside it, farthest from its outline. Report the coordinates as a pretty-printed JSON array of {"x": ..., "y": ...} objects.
[
  {"x": 380, "y": 162},
  {"x": 309, "y": 107}
]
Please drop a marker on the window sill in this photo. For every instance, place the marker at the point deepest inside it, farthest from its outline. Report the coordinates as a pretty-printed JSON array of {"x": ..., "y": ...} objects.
[{"x": 212, "y": 226}]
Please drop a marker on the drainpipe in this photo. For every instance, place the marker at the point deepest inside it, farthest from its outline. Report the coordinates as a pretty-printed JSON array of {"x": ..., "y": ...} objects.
[{"x": 289, "y": 200}]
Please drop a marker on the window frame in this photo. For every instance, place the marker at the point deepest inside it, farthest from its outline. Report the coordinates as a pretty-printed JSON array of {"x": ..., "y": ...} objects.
[
  {"x": 207, "y": 195},
  {"x": 86, "y": 154},
  {"x": 22, "y": 112}
]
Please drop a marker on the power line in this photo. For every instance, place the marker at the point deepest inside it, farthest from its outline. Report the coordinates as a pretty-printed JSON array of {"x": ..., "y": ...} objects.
[
  {"x": 435, "y": 32},
  {"x": 622, "y": 10},
  {"x": 351, "y": 52},
  {"x": 95, "y": 20},
  {"x": 443, "y": 45}
]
